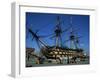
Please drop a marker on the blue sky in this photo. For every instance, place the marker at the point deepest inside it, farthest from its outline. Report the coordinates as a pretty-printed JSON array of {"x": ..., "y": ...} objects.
[{"x": 46, "y": 22}]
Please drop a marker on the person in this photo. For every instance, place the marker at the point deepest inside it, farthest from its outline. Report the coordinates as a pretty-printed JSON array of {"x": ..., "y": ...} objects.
[
  {"x": 68, "y": 60},
  {"x": 61, "y": 61},
  {"x": 65, "y": 58},
  {"x": 28, "y": 56}
]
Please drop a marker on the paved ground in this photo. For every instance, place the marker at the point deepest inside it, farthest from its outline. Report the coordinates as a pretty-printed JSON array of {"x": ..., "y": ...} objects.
[{"x": 32, "y": 64}]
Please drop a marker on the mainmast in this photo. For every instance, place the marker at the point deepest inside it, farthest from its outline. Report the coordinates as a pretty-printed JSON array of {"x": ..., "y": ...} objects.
[{"x": 58, "y": 32}]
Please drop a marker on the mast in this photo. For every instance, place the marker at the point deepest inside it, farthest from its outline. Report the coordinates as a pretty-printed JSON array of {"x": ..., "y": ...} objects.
[
  {"x": 73, "y": 44},
  {"x": 58, "y": 32}
]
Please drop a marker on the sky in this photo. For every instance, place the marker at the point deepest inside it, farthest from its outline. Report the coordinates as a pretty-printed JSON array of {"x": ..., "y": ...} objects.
[{"x": 45, "y": 24}]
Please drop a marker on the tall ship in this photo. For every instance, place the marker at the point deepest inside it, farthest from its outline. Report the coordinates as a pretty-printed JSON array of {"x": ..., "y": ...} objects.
[{"x": 59, "y": 53}]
